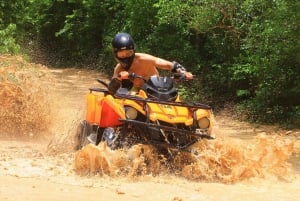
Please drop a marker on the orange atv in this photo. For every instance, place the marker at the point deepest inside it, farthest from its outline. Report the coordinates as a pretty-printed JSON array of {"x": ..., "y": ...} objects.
[{"x": 154, "y": 115}]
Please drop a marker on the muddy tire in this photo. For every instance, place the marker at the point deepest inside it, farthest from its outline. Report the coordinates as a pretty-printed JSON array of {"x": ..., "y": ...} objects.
[{"x": 84, "y": 129}]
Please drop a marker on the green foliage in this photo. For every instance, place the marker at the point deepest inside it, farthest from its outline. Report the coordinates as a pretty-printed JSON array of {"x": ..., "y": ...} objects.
[
  {"x": 268, "y": 60},
  {"x": 83, "y": 27},
  {"x": 11, "y": 17},
  {"x": 243, "y": 51},
  {"x": 7, "y": 40}
]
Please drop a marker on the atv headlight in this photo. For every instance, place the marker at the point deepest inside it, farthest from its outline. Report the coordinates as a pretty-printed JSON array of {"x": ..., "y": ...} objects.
[
  {"x": 131, "y": 113},
  {"x": 203, "y": 122}
]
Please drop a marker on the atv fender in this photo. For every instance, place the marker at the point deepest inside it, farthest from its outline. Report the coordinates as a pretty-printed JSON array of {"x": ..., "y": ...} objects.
[{"x": 112, "y": 111}]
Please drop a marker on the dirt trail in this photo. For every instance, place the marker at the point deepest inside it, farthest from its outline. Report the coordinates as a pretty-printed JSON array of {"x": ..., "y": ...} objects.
[{"x": 44, "y": 169}]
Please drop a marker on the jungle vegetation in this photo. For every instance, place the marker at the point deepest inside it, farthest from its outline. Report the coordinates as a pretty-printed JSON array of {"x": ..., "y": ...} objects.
[{"x": 243, "y": 52}]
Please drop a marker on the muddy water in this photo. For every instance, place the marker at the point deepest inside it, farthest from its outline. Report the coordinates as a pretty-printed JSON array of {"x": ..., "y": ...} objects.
[{"x": 247, "y": 132}]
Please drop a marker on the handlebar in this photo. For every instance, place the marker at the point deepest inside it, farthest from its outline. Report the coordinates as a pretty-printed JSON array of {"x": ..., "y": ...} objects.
[{"x": 182, "y": 75}]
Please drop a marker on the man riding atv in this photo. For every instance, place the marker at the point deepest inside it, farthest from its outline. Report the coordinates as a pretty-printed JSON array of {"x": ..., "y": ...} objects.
[
  {"x": 155, "y": 115},
  {"x": 141, "y": 64}
]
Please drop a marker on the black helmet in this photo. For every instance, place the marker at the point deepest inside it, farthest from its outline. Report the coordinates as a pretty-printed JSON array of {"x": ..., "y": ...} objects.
[{"x": 123, "y": 41}]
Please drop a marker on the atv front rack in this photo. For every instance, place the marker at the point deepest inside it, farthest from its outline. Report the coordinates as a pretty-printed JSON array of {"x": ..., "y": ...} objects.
[{"x": 148, "y": 100}]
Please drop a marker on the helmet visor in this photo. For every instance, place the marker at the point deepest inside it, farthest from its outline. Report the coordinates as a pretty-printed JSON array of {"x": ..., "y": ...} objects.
[{"x": 121, "y": 54}]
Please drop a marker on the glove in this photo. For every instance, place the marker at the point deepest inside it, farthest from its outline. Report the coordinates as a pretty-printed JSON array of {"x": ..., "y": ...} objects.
[
  {"x": 114, "y": 85},
  {"x": 177, "y": 68}
]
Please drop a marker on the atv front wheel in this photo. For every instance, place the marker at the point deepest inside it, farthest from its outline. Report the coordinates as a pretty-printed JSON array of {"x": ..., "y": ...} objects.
[{"x": 84, "y": 129}]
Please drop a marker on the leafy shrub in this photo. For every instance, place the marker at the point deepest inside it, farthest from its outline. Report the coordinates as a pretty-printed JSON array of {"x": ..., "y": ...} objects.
[{"x": 7, "y": 40}]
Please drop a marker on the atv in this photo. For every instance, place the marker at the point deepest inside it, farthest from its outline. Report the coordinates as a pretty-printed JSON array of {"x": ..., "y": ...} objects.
[{"x": 154, "y": 115}]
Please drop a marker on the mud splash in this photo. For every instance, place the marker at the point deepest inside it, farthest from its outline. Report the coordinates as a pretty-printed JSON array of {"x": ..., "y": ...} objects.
[
  {"x": 236, "y": 160},
  {"x": 24, "y": 109},
  {"x": 225, "y": 161},
  {"x": 139, "y": 160}
]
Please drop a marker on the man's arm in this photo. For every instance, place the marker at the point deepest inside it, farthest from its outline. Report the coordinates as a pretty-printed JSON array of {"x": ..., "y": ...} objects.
[
  {"x": 174, "y": 66},
  {"x": 163, "y": 64}
]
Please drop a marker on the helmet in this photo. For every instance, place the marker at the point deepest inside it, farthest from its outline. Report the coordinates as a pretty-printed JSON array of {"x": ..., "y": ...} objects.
[{"x": 123, "y": 41}]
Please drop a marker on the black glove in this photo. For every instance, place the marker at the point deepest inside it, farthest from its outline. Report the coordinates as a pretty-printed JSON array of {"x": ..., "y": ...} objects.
[
  {"x": 114, "y": 85},
  {"x": 177, "y": 68}
]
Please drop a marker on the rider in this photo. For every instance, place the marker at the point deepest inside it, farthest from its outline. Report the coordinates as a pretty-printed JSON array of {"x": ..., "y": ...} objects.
[{"x": 141, "y": 64}]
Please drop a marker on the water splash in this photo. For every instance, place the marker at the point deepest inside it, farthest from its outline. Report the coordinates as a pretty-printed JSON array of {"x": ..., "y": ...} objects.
[
  {"x": 220, "y": 160},
  {"x": 236, "y": 160}
]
